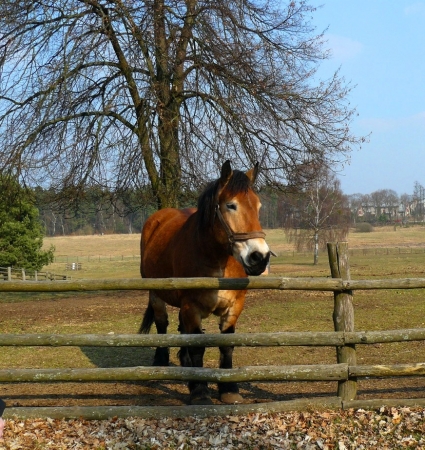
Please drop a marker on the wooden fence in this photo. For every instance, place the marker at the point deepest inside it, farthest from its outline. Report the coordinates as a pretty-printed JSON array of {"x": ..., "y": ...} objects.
[
  {"x": 10, "y": 273},
  {"x": 345, "y": 372}
]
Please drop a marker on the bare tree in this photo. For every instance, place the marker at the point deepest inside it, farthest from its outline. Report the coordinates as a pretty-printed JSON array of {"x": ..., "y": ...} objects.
[
  {"x": 355, "y": 202},
  {"x": 385, "y": 202},
  {"x": 121, "y": 93},
  {"x": 320, "y": 214},
  {"x": 419, "y": 202}
]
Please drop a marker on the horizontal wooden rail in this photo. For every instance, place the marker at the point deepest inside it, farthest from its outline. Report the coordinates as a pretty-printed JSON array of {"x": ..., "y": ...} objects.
[
  {"x": 393, "y": 370},
  {"x": 281, "y": 283},
  {"x": 330, "y": 372},
  {"x": 311, "y": 372},
  {"x": 175, "y": 340},
  {"x": 146, "y": 412},
  {"x": 214, "y": 340}
]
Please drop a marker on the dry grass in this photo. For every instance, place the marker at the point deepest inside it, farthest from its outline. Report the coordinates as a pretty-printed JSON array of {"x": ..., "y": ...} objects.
[
  {"x": 118, "y": 256},
  {"x": 110, "y": 245},
  {"x": 128, "y": 245}
]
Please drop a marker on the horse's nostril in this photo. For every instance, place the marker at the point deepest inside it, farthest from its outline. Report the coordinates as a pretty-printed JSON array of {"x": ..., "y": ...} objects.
[{"x": 256, "y": 257}]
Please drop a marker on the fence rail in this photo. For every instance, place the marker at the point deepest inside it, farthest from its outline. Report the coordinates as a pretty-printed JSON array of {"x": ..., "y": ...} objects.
[
  {"x": 345, "y": 372},
  {"x": 279, "y": 283},
  {"x": 278, "y": 339}
]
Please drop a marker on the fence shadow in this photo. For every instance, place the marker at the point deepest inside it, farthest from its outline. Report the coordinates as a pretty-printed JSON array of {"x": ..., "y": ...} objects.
[{"x": 104, "y": 357}]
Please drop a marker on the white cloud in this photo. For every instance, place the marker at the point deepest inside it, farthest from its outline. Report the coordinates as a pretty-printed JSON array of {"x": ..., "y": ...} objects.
[
  {"x": 415, "y": 8},
  {"x": 343, "y": 48}
]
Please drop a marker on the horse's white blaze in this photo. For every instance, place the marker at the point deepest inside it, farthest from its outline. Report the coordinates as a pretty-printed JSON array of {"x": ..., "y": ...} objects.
[{"x": 243, "y": 249}]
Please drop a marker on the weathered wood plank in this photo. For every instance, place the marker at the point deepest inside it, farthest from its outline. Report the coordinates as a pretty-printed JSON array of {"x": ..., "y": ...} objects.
[
  {"x": 147, "y": 412},
  {"x": 281, "y": 283},
  {"x": 390, "y": 370},
  {"x": 343, "y": 315},
  {"x": 309, "y": 339},
  {"x": 384, "y": 336},
  {"x": 329, "y": 372},
  {"x": 176, "y": 340}
]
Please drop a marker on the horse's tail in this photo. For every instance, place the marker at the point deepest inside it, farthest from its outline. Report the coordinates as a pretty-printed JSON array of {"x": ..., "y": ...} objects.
[{"x": 148, "y": 319}]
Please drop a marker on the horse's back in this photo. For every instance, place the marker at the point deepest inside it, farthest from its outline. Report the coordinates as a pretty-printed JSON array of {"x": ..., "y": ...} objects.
[{"x": 156, "y": 243}]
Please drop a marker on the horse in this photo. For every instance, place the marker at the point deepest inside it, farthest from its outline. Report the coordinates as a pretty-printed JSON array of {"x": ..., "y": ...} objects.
[{"x": 221, "y": 238}]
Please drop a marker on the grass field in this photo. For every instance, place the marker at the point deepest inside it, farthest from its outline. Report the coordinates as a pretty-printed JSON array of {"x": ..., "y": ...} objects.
[
  {"x": 118, "y": 256},
  {"x": 381, "y": 254}
]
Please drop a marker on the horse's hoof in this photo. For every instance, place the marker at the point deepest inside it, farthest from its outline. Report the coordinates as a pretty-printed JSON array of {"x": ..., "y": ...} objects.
[
  {"x": 160, "y": 363},
  {"x": 201, "y": 400},
  {"x": 230, "y": 398},
  {"x": 200, "y": 395}
]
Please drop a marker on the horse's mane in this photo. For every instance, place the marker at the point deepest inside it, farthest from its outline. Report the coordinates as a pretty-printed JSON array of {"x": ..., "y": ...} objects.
[{"x": 207, "y": 201}]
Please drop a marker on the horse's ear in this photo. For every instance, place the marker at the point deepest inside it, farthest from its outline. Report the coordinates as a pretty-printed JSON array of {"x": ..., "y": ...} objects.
[
  {"x": 226, "y": 173},
  {"x": 252, "y": 173}
]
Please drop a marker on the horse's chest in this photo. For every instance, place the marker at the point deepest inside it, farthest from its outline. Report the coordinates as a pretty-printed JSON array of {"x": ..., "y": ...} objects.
[{"x": 218, "y": 302}]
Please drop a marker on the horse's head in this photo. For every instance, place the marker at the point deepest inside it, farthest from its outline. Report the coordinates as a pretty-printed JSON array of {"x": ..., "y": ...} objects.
[{"x": 237, "y": 208}]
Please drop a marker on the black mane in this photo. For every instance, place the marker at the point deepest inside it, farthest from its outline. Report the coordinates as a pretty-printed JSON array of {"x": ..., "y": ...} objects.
[{"x": 207, "y": 201}]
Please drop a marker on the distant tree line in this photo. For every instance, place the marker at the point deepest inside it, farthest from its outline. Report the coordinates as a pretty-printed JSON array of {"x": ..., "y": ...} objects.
[
  {"x": 98, "y": 211},
  {"x": 380, "y": 207},
  {"x": 312, "y": 216},
  {"x": 95, "y": 213},
  {"x": 384, "y": 206}
]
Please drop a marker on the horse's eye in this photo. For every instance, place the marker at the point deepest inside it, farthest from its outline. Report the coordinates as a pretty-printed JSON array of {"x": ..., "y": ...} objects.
[{"x": 231, "y": 206}]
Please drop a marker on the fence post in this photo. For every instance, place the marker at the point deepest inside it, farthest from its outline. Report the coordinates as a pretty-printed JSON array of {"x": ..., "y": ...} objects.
[
  {"x": 9, "y": 274},
  {"x": 343, "y": 315}
]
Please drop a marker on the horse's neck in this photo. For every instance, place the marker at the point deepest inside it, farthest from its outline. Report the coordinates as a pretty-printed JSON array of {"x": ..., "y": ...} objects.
[{"x": 211, "y": 250}]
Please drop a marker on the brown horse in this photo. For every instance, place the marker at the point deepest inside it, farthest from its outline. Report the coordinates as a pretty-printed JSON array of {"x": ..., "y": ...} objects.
[{"x": 221, "y": 238}]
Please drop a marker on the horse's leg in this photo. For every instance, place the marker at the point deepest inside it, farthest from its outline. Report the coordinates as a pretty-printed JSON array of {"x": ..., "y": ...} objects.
[
  {"x": 162, "y": 354},
  {"x": 190, "y": 323},
  {"x": 229, "y": 392}
]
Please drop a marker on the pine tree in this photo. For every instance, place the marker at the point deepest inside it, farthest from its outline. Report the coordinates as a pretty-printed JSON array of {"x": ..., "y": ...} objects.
[{"x": 21, "y": 234}]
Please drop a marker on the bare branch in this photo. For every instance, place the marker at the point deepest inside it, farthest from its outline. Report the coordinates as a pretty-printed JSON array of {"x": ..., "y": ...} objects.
[{"x": 160, "y": 92}]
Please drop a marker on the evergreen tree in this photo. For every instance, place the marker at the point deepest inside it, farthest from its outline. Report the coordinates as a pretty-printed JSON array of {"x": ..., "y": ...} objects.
[{"x": 21, "y": 234}]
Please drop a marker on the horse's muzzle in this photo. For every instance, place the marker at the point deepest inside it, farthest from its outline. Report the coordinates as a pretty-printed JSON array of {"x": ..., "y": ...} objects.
[{"x": 257, "y": 263}]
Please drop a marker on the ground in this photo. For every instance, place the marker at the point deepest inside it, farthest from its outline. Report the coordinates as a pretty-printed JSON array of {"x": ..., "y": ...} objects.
[
  {"x": 45, "y": 314},
  {"x": 121, "y": 312}
]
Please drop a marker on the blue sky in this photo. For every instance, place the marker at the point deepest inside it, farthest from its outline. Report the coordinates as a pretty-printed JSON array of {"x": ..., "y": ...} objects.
[{"x": 379, "y": 46}]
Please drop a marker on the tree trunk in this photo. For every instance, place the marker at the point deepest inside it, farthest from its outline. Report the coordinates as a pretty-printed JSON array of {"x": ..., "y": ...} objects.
[
  {"x": 316, "y": 247},
  {"x": 167, "y": 89},
  {"x": 170, "y": 184}
]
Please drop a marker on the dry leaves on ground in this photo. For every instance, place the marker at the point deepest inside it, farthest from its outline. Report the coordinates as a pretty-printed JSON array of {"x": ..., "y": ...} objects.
[{"x": 388, "y": 428}]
